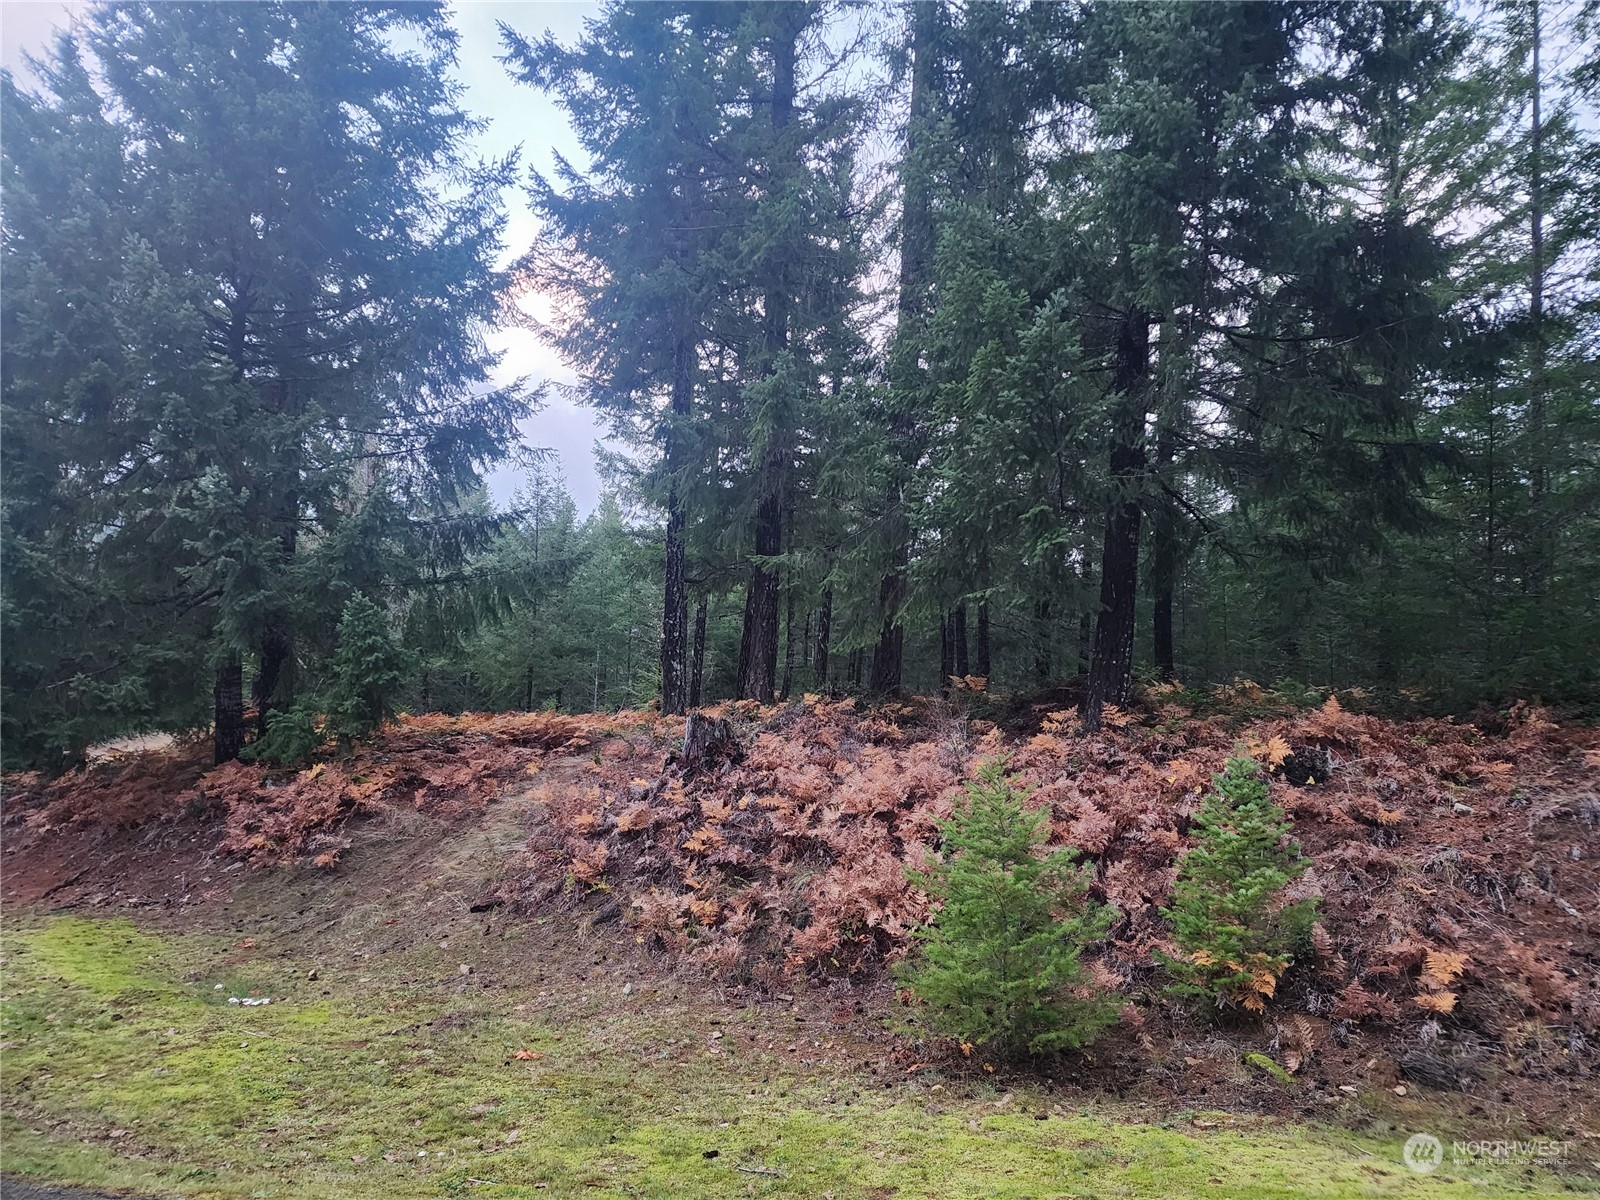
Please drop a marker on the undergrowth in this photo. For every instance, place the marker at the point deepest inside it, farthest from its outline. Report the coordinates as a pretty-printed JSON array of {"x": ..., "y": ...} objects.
[{"x": 121, "y": 1070}]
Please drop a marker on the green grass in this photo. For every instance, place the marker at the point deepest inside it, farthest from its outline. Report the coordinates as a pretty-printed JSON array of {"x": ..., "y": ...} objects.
[{"x": 125, "y": 1067}]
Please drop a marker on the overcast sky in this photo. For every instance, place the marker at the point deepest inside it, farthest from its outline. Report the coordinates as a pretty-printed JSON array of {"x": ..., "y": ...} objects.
[{"x": 517, "y": 116}]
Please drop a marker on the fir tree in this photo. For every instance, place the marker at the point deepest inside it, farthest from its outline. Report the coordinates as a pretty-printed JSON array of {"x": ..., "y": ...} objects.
[
  {"x": 1227, "y": 908},
  {"x": 997, "y": 963},
  {"x": 299, "y": 325},
  {"x": 368, "y": 671}
]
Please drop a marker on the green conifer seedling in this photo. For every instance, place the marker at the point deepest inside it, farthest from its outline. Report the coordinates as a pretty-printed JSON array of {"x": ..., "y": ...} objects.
[
  {"x": 999, "y": 964},
  {"x": 1235, "y": 934}
]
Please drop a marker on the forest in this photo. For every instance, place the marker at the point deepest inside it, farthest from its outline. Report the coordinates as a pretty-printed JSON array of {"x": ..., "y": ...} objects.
[
  {"x": 1080, "y": 677},
  {"x": 1003, "y": 346}
]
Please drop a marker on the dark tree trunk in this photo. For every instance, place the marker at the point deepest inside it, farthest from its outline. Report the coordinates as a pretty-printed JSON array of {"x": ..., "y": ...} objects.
[
  {"x": 1042, "y": 666},
  {"x": 1164, "y": 557},
  {"x": 916, "y": 253},
  {"x": 758, "y": 652},
  {"x": 888, "y": 655},
  {"x": 983, "y": 638},
  {"x": 824, "y": 631},
  {"x": 853, "y": 670},
  {"x": 958, "y": 636},
  {"x": 1111, "y": 668},
  {"x": 527, "y": 690},
  {"x": 758, "y": 656},
  {"x": 1537, "y": 364},
  {"x": 1166, "y": 667},
  {"x": 947, "y": 653},
  {"x": 227, "y": 699},
  {"x": 675, "y": 596},
  {"x": 269, "y": 674},
  {"x": 425, "y": 698},
  {"x": 805, "y": 639},
  {"x": 697, "y": 671},
  {"x": 788, "y": 646}
]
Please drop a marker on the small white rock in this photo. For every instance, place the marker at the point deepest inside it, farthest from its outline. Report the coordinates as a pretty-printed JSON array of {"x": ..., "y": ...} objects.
[{"x": 1461, "y": 810}]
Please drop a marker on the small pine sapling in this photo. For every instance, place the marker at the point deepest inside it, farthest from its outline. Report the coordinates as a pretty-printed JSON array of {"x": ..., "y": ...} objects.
[
  {"x": 369, "y": 670},
  {"x": 999, "y": 966},
  {"x": 1237, "y": 937},
  {"x": 293, "y": 735}
]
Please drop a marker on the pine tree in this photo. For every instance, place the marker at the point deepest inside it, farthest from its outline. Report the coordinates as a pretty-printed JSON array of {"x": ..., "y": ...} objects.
[
  {"x": 1236, "y": 934},
  {"x": 368, "y": 671},
  {"x": 635, "y": 248},
  {"x": 996, "y": 964},
  {"x": 306, "y": 323}
]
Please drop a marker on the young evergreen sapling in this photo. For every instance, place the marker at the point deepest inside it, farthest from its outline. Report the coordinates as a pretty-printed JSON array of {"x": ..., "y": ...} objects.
[
  {"x": 1236, "y": 937},
  {"x": 999, "y": 966}
]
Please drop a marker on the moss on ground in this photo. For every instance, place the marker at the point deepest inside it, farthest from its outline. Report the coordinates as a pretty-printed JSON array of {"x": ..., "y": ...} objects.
[{"x": 124, "y": 1066}]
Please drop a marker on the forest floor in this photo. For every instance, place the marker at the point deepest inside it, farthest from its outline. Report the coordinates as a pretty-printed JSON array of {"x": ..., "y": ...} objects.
[{"x": 450, "y": 1016}]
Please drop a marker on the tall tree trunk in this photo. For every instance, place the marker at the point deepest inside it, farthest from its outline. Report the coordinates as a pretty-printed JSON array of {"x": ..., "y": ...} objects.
[
  {"x": 1042, "y": 668},
  {"x": 983, "y": 638},
  {"x": 916, "y": 253},
  {"x": 824, "y": 633},
  {"x": 675, "y": 596},
  {"x": 759, "y": 643},
  {"x": 227, "y": 699},
  {"x": 788, "y": 646},
  {"x": 758, "y": 653},
  {"x": 697, "y": 669},
  {"x": 947, "y": 653},
  {"x": 269, "y": 675},
  {"x": 276, "y": 645},
  {"x": 1164, "y": 561},
  {"x": 1086, "y": 588},
  {"x": 1166, "y": 667},
  {"x": 958, "y": 637},
  {"x": 1539, "y": 469},
  {"x": 1111, "y": 668},
  {"x": 888, "y": 655}
]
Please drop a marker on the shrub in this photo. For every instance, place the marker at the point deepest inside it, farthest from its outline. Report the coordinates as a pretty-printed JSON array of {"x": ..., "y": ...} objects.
[
  {"x": 1236, "y": 935},
  {"x": 999, "y": 966}
]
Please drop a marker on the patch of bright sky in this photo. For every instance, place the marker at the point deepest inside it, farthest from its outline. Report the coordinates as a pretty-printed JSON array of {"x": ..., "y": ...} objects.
[
  {"x": 521, "y": 116},
  {"x": 518, "y": 117}
]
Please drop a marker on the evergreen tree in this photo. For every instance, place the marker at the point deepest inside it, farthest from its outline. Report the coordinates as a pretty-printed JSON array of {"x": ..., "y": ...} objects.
[
  {"x": 1227, "y": 910},
  {"x": 996, "y": 963},
  {"x": 302, "y": 326}
]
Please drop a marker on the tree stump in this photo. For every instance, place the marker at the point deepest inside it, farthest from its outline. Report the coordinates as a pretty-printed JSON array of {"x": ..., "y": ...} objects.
[{"x": 708, "y": 741}]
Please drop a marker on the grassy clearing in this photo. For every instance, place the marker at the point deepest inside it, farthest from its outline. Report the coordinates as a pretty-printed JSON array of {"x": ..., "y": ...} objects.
[{"x": 125, "y": 1066}]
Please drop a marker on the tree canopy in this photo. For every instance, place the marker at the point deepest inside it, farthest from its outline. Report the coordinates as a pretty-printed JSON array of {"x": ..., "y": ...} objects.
[{"x": 1049, "y": 345}]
